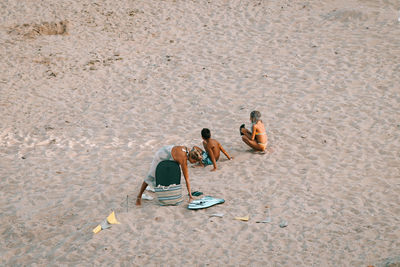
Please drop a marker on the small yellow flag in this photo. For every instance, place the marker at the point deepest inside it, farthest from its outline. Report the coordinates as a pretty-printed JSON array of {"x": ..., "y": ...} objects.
[
  {"x": 243, "y": 218},
  {"x": 97, "y": 229},
  {"x": 111, "y": 219},
  {"x": 106, "y": 223}
]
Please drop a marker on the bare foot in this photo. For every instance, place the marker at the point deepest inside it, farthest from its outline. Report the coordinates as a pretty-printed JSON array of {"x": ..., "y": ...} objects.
[{"x": 138, "y": 201}]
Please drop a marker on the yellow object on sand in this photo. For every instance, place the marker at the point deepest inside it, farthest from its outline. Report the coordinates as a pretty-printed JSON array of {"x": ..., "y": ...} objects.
[
  {"x": 111, "y": 219},
  {"x": 97, "y": 229},
  {"x": 243, "y": 218},
  {"x": 106, "y": 223}
]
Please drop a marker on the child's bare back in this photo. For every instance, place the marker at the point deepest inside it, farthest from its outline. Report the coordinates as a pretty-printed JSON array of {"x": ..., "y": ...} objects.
[{"x": 212, "y": 148}]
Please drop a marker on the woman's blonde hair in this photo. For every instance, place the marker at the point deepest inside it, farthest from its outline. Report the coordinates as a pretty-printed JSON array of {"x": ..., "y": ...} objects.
[{"x": 195, "y": 154}]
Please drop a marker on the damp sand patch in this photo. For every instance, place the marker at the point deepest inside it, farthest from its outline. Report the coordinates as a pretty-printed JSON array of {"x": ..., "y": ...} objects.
[{"x": 34, "y": 30}]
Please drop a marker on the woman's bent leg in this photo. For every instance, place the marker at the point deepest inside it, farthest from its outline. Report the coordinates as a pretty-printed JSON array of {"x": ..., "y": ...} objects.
[
  {"x": 139, "y": 196},
  {"x": 253, "y": 144}
]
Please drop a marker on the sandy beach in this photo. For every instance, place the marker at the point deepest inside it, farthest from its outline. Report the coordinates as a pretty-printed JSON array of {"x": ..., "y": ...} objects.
[{"x": 90, "y": 90}]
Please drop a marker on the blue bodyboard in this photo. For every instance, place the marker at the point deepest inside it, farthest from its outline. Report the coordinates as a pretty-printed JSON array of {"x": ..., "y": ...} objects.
[{"x": 204, "y": 202}]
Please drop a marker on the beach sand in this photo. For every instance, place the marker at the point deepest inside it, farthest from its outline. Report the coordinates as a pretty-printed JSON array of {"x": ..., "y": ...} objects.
[{"x": 90, "y": 90}]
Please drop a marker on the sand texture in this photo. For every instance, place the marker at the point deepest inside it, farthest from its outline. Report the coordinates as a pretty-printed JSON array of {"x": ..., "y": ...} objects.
[{"x": 90, "y": 90}]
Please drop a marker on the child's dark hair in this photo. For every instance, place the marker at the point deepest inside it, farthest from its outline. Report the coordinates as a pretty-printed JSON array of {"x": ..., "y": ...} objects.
[{"x": 205, "y": 133}]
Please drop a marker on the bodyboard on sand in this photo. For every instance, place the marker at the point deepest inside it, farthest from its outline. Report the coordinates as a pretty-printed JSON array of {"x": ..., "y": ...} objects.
[{"x": 204, "y": 202}]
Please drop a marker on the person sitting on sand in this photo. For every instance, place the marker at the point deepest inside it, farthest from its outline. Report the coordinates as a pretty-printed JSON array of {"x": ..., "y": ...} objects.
[
  {"x": 180, "y": 154},
  {"x": 212, "y": 150},
  {"x": 257, "y": 137}
]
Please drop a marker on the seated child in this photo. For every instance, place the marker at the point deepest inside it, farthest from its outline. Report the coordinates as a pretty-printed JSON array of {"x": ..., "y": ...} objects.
[
  {"x": 257, "y": 137},
  {"x": 212, "y": 150}
]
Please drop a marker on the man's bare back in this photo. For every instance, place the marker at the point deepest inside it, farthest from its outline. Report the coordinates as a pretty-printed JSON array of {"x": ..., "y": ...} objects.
[{"x": 214, "y": 146}]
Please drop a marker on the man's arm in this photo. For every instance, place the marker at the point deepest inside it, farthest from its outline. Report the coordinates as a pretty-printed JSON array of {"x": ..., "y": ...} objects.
[
  {"x": 205, "y": 145},
  {"x": 223, "y": 151}
]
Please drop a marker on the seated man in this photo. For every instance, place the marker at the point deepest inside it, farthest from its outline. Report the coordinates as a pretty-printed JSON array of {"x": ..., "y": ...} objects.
[{"x": 212, "y": 150}]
